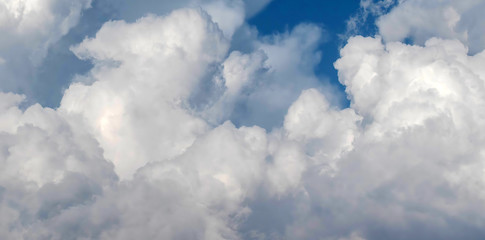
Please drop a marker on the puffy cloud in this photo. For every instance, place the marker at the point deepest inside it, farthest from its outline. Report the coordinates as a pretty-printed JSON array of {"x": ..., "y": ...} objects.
[
  {"x": 34, "y": 52},
  {"x": 50, "y": 166},
  {"x": 442, "y": 80},
  {"x": 326, "y": 133},
  {"x": 173, "y": 135},
  {"x": 28, "y": 29},
  {"x": 168, "y": 143},
  {"x": 260, "y": 85},
  {"x": 423, "y": 129},
  {"x": 63, "y": 182},
  {"x": 421, "y": 20},
  {"x": 228, "y": 14},
  {"x": 37, "y": 24},
  {"x": 163, "y": 58}
]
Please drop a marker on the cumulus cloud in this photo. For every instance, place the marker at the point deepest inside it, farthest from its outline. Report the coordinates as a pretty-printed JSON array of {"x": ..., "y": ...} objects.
[
  {"x": 421, "y": 133},
  {"x": 34, "y": 49},
  {"x": 260, "y": 85},
  {"x": 229, "y": 14},
  {"x": 161, "y": 58},
  {"x": 174, "y": 135},
  {"x": 51, "y": 168},
  {"x": 421, "y": 20},
  {"x": 28, "y": 29}
]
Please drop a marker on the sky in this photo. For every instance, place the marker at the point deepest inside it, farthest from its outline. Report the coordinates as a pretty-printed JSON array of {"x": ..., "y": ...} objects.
[
  {"x": 331, "y": 16},
  {"x": 242, "y": 119}
]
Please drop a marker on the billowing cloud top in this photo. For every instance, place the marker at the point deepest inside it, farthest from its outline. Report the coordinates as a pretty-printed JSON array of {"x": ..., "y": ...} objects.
[{"x": 179, "y": 132}]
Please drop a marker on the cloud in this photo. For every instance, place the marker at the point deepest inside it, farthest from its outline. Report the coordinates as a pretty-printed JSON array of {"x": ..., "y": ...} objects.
[
  {"x": 29, "y": 28},
  {"x": 161, "y": 57},
  {"x": 421, "y": 20},
  {"x": 255, "y": 6},
  {"x": 419, "y": 105},
  {"x": 159, "y": 151},
  {"x": 50, "y": 166},
  {"x": 228, "y": 14},
  {"x": 369, "y": 11},
  {"x": 34, "y": 51},
  {"x": 260, "y": 85},
  {"x": 173, "y": 134}
]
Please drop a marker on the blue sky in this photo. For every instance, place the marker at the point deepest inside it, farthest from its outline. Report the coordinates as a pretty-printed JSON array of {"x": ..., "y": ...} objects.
[
  {"x": 242, "y": 119},
  {"x": 282, "y": 15}
]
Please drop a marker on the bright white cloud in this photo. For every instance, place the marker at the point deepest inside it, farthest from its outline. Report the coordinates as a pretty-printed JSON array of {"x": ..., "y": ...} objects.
[{"x": 160, "y": 60}]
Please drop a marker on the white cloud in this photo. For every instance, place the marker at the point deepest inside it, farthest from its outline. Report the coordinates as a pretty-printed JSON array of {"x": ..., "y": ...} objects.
[
  {"x": 161, "y": 58},
  {"x": 159, "y": 150},
  {"x": 28, "y": 29},
  {"x": 326, "y": 133},
  {"x": 421, "y": 20},
  {"x": 143, "y": 149},
  {"x": 228, "y": 14},
  {"x": 49, "y": 166},
  {"x": 33, "y": 29},
  {"x": 421, "y": 138},
  {"x": 288, "y": 56}
]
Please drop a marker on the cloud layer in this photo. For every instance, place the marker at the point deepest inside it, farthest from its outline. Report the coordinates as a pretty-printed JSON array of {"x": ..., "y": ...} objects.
[{"x": 175, "y": 134}]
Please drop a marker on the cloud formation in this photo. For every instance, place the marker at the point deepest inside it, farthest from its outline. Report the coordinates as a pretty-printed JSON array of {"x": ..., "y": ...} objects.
[
  {"x": 174, "y": 134},
  {"x": 421, "y": 20},
  {"x": 28, "y": 29}
]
